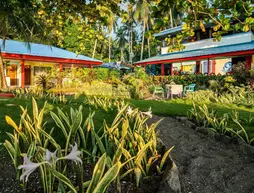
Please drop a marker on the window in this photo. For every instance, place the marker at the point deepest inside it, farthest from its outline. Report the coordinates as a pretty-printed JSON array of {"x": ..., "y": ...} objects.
[{"x": 40, "y": 70}]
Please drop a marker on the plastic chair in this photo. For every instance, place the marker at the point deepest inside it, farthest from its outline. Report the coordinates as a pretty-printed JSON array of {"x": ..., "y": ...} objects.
[
  {"x": 189, "y": 88},
  {"x": 174, "y": 90},
  {"x": 158, "y": 90}
]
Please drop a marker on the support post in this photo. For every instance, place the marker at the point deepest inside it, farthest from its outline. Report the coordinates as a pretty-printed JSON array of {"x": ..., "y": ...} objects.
[
  {"x": 89, "y": 66},
  {"x": 181, "y": 67},
  {"x": 208, "y": 67},
  {"x": 213, "y": 66},
  {"x": 22, "y": 73},
  {"x": 197, "y": 66},
  {"x": 248, "y": 60},
  {"x": 60, "y": 75},
  {"x": 144, "y": 65},
  {"x": 162, "y": 69}
]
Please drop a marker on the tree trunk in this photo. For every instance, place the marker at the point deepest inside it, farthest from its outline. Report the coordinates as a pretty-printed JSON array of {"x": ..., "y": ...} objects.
[
  {"x": 143, "y": 40},
  {"x": 148, "y": 42},
  {"x": 95, "y": 45},
  {"x": 171, "y": 17},
  {"x": 109, "y": 50},
  {"x": 3, "y": 83},
  {"x": 131, "y": 43},
  {"x": 122, "y": 55}
]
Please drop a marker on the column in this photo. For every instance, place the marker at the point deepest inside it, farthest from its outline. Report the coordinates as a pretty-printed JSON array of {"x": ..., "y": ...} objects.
[
  {"x": 181, "y": 67},
  {"x": 213, "y": 66},
  {"x": 197, "y": 66},
  {"x": 248, "y": 60},
  {"x": 208, "y": 67},
  {"x": 22, "y": 73},
  {"x": 162, "y": 70},
  {"x": 60, "y": 75},
  {"x": 144, "y": 66},
  {"x": 89, "y": 66}
]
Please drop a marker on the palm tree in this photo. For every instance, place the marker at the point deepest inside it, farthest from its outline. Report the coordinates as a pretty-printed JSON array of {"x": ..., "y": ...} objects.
[
  {"x": 17, "y": 21},
  {"x": 130, "y": 23},
  {"x": 111, "y": 21},
  {"x": 142, "y": 11},
  {"x": 121, "y": 39}
]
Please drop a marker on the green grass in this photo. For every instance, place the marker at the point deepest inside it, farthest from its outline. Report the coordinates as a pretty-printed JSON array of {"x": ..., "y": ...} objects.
[
  {"x": 15, "y": 111},
  {"x": 180, "y": 107},
  {"x": 176, "y": 107}
]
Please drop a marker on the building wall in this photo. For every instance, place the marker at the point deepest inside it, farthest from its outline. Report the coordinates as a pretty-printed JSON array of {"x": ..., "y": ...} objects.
[
  {"x": 33, "y": 67},
  {"x": 38, "y": 68},
  {"x": 219, "y": 65},
  {"x": 18, "y": 63}
]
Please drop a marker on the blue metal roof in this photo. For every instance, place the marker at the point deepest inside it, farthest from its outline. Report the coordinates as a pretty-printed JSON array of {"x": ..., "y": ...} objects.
[
  {"x": 201, "y": 52},
  {"x": 169, "y": 31},
  {"x": 16, "y": 47}
]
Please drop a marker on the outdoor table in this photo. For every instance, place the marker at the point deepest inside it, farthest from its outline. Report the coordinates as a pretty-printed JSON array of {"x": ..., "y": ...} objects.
[{"x": 174, "y": 89}]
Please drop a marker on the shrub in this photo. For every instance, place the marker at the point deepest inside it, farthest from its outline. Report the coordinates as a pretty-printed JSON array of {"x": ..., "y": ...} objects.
[
  {"x": 127, "y": 147},
  {"x": 114, "y": 74},
  {"x": 101, "y": 73}
]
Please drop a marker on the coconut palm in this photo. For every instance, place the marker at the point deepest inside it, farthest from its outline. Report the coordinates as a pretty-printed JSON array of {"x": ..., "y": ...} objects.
[
  {"x": 111, "y": 21},
  {"x": 121, "y": 34},
  {"x": 142, "y": 12}
]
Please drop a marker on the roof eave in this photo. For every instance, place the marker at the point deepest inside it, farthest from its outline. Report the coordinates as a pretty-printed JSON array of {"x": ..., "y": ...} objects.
[{"x": 6, "y": 55}]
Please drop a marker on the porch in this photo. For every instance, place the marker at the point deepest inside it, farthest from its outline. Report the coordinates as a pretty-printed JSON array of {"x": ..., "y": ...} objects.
[
  {"x": 22, "y": 64},
  {"x": 205, "y": 56}
]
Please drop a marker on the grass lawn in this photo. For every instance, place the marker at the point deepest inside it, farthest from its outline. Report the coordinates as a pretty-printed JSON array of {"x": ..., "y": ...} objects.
[
  {"x": 14, "y": 112},
  {"x": 176, "y": 107},
  {"x": 180, "y": 107}
]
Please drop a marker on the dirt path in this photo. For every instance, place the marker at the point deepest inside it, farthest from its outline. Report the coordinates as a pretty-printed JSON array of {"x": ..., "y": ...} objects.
[{"x": 206, "y": 165}]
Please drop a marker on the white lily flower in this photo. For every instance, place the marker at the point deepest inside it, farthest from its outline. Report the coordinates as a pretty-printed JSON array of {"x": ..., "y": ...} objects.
[
  {"x": 148, "y": 113},
  {"x": 29, "y": 167},
  {"x": 50, "y": 156},
  {"x": 129, "y": 110},
  {"x": 73, "y": 155}
]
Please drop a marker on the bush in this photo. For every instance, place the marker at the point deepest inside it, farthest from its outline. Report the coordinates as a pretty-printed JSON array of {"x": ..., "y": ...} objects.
[
  {"x": 114, "y": 74},
  {"x": 199, "y": 79},
  {"x": 101, "y": 73}
]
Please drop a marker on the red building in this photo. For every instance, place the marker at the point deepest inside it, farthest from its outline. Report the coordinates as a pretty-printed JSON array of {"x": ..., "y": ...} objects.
[
  {"x": 22, "y": 63},
  {"x": 202, "y": 54}
]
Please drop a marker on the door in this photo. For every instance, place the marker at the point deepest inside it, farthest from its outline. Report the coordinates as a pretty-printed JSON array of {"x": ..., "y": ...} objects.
[
  {"x": 27, "y": 75},
  {"x": 12, "y": 73}
]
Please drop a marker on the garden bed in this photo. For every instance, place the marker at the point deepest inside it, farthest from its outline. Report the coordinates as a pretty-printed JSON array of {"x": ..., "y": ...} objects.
[
  {"x": 6, "y": 95},
  {"x": 205, "y": 164},
  {"x": 9, "y": 184}
]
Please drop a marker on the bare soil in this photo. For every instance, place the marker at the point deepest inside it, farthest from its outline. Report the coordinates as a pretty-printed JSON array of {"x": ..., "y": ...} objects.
[
  {"x": 9, "y": 183},
  {"x": 206, "y": 165}
]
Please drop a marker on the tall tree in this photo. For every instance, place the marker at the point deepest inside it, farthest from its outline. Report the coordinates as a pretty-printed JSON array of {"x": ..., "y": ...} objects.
[
  {"x": 142, "y": 11},
  {"x": 17, "y": 21},
  {"x": 121, "y": 40}
]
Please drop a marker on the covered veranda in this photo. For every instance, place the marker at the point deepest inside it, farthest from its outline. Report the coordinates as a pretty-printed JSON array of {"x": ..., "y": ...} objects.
[
  {"x": 237, "y": 52},
  {"x": 23, "y": 63}
]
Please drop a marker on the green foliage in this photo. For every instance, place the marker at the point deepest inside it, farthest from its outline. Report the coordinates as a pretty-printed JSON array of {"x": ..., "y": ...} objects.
[
  {"x": 126, "y": 146},
  {"x": 44, "y": 80},
  {"x": 235, "y": 95},
  {"x": 114, "y": 74},
  {"x": 198, "y": 79},
  {"x": 207, "y": 118},
  {"x": 101, "y": 73}
]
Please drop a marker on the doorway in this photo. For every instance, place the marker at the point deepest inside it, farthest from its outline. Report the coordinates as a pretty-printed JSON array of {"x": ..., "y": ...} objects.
[
  {"x": 12, "y": 74},
  {"x": 27, "y": 75}
]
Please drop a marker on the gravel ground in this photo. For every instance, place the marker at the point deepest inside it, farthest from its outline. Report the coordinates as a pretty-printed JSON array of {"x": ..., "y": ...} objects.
[{"x": 206, "y": 165}]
